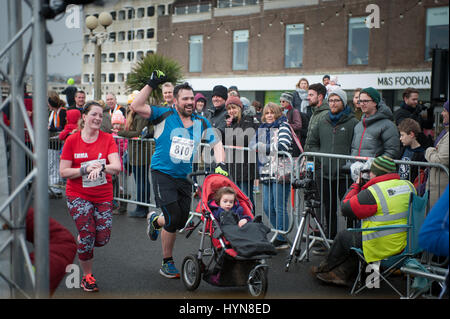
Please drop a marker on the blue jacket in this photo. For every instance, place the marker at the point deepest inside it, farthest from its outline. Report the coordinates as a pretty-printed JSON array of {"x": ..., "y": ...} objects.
[
  {"x": 433, "y": 236},
  {"x": 237, "y": 210}
]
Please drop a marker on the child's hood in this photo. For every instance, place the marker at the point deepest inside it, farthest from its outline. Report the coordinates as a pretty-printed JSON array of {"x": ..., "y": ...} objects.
[{"x": 72, "y": 116}]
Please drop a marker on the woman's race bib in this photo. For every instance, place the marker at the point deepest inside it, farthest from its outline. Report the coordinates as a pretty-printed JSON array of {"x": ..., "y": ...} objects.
[
  {"x": 181, "y": 148},
  {"x": 101, "y": 178}
]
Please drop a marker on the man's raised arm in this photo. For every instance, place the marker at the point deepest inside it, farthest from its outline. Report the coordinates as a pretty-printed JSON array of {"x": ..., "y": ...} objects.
[{"x": 139, "y": 104}]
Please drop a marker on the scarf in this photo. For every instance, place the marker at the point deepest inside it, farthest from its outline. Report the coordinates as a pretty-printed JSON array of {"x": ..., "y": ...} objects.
[
  {"x": 336, "y": 117},
  {"x": 304, "y": 97}
]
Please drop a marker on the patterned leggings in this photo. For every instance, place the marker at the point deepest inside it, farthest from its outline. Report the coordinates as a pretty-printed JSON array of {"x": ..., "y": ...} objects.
[{"x": 93, "y": 221}]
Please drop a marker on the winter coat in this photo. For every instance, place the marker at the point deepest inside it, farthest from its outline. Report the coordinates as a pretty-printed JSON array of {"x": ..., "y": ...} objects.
[
  {"x": 317, "y": 114},
  {"x": 236, "y": 210},
  {"x": 72, "y": 117},
  {"x": 300, "y": 101},
  {"x": 405, "y": 111},
  {"x": 437, "y": 177},
  {"x": 242, "y": 166},
  {"x": 216, "y": 116},
  {"x": 139, "y": 152},
  {"x": 336, "y": 139},
  {"x": 376, "y": 135},
  {"x": 268, "y": 141}
]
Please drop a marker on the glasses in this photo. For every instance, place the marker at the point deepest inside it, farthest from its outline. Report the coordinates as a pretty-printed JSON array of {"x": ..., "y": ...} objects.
[
  {"x": 364, "y": 101},
  {"x": 334, "y": 101}
]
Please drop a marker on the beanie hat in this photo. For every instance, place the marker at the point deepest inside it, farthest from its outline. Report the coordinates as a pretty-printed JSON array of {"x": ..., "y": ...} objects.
[
  {"x": 198, "y": 97},
  {"x": 383, "y": 165},
  {"x": 287, "y": 96},
  {"x": 117, "y": 118},
  {"x": 234, "y": 100},
  {"x": 245, "y": 102},
  {"x": 339, "y": 92},
  {"x": 374, "y": 94},
  {"x": 220, "y": 90}
]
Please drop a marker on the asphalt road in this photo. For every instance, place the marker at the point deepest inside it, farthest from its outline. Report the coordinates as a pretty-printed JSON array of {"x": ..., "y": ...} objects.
[{"x": 128, "y": 268}]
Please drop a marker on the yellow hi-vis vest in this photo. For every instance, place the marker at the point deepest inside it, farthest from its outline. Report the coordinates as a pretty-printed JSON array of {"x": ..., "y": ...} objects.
[{"x": 392, "y": 199}]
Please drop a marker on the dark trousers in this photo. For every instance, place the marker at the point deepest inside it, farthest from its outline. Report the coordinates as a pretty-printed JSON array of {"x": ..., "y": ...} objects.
[
  {"x": 341, "y": 255},
  {"x": 331, "y": 196}
]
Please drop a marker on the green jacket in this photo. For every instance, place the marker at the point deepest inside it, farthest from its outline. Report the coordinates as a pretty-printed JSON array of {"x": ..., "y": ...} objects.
[
  {"x": 327, "y": 138},
  {"x": 318, "y": 113},
  {"x": 139, "y": 152}
]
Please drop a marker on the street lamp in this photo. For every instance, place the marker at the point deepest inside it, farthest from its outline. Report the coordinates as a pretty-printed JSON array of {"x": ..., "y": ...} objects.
[{"x": 98, "y": 39}]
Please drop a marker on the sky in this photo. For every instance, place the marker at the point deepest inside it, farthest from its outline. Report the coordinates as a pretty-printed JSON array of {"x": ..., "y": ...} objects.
[{"x": 64, "y": 54}]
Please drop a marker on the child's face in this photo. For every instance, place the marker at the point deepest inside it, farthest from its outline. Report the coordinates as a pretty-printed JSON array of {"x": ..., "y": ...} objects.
[
  {"x": 406, "y": 139},
  {"x": 116, "y": 126},
  {"x": 227, "y": 201}
]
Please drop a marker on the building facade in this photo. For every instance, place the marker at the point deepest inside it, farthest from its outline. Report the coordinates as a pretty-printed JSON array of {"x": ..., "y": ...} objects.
[
  {"x": 131, "y": 36},
  {"x": 265, "y": 46}
]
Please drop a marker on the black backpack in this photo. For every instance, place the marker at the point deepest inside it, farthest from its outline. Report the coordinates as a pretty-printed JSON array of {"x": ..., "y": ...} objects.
[{"x": 304, "y": 130}]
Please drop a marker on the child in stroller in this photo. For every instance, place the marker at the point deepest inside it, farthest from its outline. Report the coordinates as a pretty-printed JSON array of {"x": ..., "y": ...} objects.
[
  {"x": 225, "y": 201},
  {"x": 238, "y": 252}
]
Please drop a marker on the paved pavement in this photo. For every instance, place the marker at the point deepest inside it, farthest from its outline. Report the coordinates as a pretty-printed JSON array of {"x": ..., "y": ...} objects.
[{"x": 128, "y": 267}]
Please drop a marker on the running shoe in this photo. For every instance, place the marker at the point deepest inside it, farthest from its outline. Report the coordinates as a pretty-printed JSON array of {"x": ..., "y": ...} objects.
[
  {"x": 169, "y": 270},
  {"x": 88, "y": 283},
  {"x": 152, "y": 231}
]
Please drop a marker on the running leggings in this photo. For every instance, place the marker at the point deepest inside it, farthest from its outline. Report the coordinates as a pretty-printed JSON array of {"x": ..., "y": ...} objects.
[{"x": 93, "y": 221}]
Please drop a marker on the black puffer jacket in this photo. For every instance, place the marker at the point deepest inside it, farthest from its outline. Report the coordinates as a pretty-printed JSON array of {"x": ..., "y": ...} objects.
[{"x": 241, "y": 164}]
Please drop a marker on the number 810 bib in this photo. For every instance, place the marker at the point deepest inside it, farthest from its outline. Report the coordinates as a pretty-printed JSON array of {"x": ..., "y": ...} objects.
[{"x": 181, "y": 148}]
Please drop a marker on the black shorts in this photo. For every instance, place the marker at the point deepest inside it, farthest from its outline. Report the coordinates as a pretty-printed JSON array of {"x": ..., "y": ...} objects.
[
  {"x": 173, "y": 196},
  {"x": 168, "y": 189}
]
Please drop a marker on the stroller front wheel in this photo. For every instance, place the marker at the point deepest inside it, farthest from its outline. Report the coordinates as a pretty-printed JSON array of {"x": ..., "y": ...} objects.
[
  {"x": 191, "y": 272},
  {"x": 257, "y": 282}
]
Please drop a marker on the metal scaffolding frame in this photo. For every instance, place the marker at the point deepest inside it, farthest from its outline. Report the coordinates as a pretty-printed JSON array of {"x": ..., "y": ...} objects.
[{"x": 24, "y": 280}]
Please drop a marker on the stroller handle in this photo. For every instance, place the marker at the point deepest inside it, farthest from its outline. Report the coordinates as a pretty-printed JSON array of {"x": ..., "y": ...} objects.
[{"x": 197, "y": 173}]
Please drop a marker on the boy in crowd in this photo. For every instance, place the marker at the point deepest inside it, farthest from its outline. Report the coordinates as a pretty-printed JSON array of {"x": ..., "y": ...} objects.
[{"x": 412, "y": 149}]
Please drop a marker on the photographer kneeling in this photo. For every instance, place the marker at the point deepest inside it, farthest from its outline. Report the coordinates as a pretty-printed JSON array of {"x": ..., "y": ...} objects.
[{"x": 382, "y": 200}]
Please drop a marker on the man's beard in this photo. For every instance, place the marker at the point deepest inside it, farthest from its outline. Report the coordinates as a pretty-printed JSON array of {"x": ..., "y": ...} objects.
[{"x": 185, "y": 113}]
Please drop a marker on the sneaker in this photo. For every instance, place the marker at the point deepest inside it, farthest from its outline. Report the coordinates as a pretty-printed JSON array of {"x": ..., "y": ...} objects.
[
  {"x": 169, "y": 270},
  {"x": 152, "y": 231},
  {"x": 280, "y": 244},
  {"x": 88, "y": 283}
]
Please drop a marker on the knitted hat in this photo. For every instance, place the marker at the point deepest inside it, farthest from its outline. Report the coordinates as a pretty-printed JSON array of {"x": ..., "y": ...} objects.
[
  {"x": 117, "y": 118},
  {"x": 383, "y": 165},
  {"x": 339, "y": 92},
  {"x": 374, "y": 94},
  {"x": 220, "y": 90},
  {"x": 198, "y": 97},
  {"x": 234, "y": 100},
  {"x": 287, "y": 96}
]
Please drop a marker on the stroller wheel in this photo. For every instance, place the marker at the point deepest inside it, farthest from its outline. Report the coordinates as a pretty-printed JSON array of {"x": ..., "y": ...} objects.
[
  {"x": 191, "y": 272},
  {"x": 257, "y": 282}
]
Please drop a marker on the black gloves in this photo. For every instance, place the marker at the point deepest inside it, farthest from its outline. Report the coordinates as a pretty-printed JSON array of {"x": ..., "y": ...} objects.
[{"x": 156, "y": 79}]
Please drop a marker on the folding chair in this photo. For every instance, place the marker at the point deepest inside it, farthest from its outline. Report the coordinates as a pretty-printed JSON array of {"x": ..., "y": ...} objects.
[{"x": 416, "y": 216}]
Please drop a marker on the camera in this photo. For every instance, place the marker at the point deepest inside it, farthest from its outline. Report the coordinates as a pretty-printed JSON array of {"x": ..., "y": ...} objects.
[{"x": 308, "y": 183}]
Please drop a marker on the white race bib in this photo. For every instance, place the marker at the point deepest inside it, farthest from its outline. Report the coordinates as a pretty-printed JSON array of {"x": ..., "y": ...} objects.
[
  {"x": 100, "y": 180},
  {"x": 181, "y": 148}
]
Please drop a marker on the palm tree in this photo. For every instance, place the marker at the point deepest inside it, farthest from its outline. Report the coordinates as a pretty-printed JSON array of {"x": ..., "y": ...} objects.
[{"x": 142, "y": 70}]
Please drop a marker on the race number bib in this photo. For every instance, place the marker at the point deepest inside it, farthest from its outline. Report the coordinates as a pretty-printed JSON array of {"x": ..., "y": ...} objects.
[
  {"x": 181, "y": 148},
  {"x": 100, "y": 180}
]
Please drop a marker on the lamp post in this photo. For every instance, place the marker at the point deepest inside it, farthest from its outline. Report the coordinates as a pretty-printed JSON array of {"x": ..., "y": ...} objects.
[{"x": 98, "y": 39}]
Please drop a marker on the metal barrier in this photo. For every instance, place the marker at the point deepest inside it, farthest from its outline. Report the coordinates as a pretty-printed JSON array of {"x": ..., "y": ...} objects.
[
  {"x": 133, "y": 184},
  {"x": 333, "y": 183}
]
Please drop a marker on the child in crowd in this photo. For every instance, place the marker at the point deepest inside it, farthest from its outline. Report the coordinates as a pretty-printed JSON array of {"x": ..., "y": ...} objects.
[
  {"x": 72, "y": 118},
  {"x": 412, "y": 149},
  {"x": 225, "y": 201},
  {"x": 118, "y": 124}
]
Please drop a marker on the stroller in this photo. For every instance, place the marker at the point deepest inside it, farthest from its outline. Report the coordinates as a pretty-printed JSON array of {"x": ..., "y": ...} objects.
[{"x": 222, "y": 265}]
